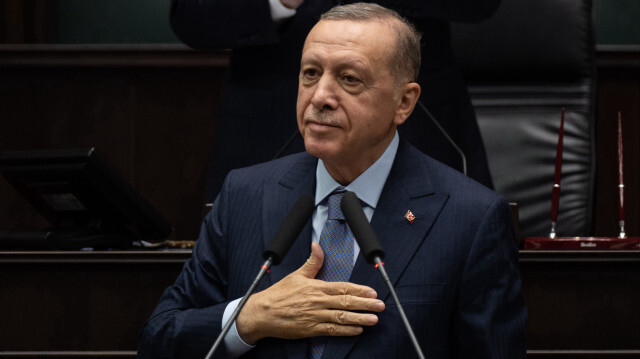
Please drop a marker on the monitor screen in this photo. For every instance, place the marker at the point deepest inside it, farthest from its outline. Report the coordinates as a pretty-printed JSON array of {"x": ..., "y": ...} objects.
[{"x": 83, "y": 198}]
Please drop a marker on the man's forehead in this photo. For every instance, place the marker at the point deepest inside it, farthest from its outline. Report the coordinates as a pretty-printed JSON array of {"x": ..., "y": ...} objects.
[{"x": 338, "y": 59}]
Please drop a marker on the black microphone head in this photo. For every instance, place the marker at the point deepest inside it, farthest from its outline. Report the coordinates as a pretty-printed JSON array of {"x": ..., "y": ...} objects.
[
  {"x": 361, "y": 228},
  {"x": 290, "y": 228}
]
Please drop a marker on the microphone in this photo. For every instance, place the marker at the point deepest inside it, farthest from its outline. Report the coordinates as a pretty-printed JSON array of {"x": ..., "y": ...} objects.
[
  {"x": 290, "y": 228},
  {"x": 286, "y": 234},
  {"x": 446, "y": 135},
  {"x": 362, "y": 230},
  {"x": 372, "y": 251}
]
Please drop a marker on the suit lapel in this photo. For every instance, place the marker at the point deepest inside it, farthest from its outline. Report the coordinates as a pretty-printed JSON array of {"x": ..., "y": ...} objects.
[
  {"x": 407, "y": 188},
  {"x": 278, "y": 198}
]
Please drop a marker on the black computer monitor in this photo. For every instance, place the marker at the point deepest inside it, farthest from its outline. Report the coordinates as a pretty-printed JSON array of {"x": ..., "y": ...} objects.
[{"x": 87, "y": 203}]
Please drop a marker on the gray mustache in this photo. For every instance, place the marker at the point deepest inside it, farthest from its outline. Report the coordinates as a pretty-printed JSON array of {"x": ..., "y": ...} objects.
[{"x": 322, "y": 118}]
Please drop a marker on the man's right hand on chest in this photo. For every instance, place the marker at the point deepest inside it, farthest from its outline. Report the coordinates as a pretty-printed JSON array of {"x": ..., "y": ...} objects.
[{"x": 300, "y": 306}]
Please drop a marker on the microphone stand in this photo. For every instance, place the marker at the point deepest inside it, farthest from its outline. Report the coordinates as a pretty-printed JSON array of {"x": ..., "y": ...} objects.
[
  {"x": 380, "y": 266},
  {"x": 263, "y": 270},
  {"x": 288, "y": 231},
  {"x": 372, "y": 252}
]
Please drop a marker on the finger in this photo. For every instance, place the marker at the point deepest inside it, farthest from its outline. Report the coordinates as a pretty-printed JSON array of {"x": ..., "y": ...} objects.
[
  {"x": 345, "y": 317},
  {"x": 348, "y": 288},
  {"x": 335, "y": 330},
  {"x": 292, "y": 4},
  {"x": 354, "y": 303},
  {"x": 311, "y": 267}
]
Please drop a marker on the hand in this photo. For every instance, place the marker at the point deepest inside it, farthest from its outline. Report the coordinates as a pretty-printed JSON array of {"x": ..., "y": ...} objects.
[
  {"x": 300, "y": 306},
  {"x": 292, "y": 4}
]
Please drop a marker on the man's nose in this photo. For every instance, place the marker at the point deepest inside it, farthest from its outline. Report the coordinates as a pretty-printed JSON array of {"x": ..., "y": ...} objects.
[{"x": 325, "y": 94}]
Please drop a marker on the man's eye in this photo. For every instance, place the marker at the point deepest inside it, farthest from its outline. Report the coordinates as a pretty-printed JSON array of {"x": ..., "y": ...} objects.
[
  {"x": 310, "y": 73},
  {"x": 351, "y": 80}
]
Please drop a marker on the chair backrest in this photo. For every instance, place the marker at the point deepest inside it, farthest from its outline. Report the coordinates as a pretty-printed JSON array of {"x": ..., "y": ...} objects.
[{"x": 524, "y": 65}]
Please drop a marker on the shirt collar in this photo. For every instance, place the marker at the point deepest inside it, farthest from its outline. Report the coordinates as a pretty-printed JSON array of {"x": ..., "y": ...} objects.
[{"x": 368, "y": 186}]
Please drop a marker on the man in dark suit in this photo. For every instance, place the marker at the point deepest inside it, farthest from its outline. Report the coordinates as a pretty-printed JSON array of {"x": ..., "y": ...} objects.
[
  {"x": 451, "y": 252},
  {"x": 255, "y": 119}
]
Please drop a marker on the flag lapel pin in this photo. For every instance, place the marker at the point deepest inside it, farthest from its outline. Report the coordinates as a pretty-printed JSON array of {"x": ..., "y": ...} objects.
[{"x": 409, "y": 216}]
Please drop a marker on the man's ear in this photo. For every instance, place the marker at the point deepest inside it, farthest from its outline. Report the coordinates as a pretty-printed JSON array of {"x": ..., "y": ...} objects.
[{"x": 407, "y": 98}]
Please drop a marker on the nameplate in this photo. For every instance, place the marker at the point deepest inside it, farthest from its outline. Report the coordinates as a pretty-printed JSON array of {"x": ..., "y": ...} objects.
[{"x": 582, "y": 243}]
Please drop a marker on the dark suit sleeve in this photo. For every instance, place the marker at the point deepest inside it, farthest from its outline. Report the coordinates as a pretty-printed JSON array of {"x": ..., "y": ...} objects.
[
  {"x": 188, "y": 317},
  {"x": 448, "y": 10},
  {"x": 491, "y": 317},
  {"x": 222, "y": 24}
]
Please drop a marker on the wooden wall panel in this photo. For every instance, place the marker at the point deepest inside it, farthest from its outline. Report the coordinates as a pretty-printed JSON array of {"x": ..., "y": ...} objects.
[{"x": 153, "y": 124}]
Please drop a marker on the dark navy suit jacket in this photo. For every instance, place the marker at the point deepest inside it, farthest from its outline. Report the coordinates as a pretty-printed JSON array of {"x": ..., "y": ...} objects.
[{"x": 455, "y": 267}]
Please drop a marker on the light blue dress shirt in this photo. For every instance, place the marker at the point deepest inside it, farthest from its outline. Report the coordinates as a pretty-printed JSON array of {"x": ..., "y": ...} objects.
[{"x": 368, "y": 187}]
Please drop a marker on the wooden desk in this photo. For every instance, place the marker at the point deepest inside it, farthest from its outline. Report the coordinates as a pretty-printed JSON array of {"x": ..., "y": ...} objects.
[
  {"x": 81, "y": 301},
  {"x": 93, "y": 304},
  {"x": 582, "y": 304}
]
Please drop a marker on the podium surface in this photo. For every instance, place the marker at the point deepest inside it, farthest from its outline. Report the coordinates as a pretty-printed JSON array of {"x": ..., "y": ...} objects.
[{"x": 88, "y": 304}]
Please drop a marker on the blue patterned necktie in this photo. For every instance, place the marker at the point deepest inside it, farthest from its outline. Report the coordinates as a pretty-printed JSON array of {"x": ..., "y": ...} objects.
[{"x": 336, "y": 241}]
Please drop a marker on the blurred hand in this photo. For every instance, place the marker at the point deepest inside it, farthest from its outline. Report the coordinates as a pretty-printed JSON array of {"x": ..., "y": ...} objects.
[
  {"x": 300, "y": 306},
  {"x": 292, "y": 4}
]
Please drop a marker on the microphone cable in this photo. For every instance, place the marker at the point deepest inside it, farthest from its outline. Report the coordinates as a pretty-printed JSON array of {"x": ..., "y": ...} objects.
[{"x": 446, "y": 135}]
